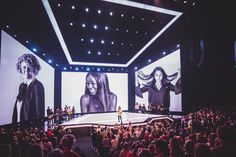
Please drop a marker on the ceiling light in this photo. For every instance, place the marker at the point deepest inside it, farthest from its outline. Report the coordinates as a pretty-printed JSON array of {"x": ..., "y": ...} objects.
[
  {"x": 34, "y": 49},
  {"x": 71, "y": 23},
  {"x": 95, "y": 26},
  {"x": 82, "y": 39},
  {"x": 83, "y": 25},
  {"x": 87, "y": 9},
  {"x": 108, "y": 53},
  {"x": 58, "y": 4},
  {"x": 99, "y": 11},
  {"x": 73, "y": 7},
  {"x": 112, "y": 42},
  {"x": 122, "y": 15},
  {"x": 106, "y": 27},
  {"x": 89, "y": 52},
  {"x": 111, "y": 13},
  {"x": 102, "y": 41},
  {"x": 91, "y": 40},
  {"x": 99, "y": 53}
]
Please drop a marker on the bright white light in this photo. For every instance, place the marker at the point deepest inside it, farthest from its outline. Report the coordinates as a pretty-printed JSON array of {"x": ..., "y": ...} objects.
[
  {"x": 71, "y": 23},
  {"x": 73, "y": 7},
  {"x": 135, "y": 68},
  {"x": 112, "y": 42},
  {"x": 106, "y": 27},
  {"x": 127, "y": 30},
  {"x": 58, "y": 4},
  {"x": 82, "y": 39},
  {"x": 108, "y": 53},
  {"x": 99, "y": 53},
  {"x": 99, "y": 11},
  {"x": 178, "y": 46},
  {"x": 149, "y": 60},
  {"x": 95, "y": 26},
  {"x": 7, "y": 26},
  {"x": 44, "y": 54},
  {"x": 122, "y": 15},
  {"x": 87, "y": 9},
  {"x": 64, "y": 68},
  {"x": 164, "y": 53},
  {"x": 102, "y": 41},
  {"x": 111, "y": 13},
  {"x": 91, "y": 40},
  {"x": 27, "y": 41},
  {"x": 34, "y": 49},
  {"x": 76, "y": 68},
  {"x": 89, "y": 52},
  {"x": 98, "y": 69},
  {"x": 88, "y": 69},
  {"x": 83, "y": 25},
  {"x": 49, "y": 61}
]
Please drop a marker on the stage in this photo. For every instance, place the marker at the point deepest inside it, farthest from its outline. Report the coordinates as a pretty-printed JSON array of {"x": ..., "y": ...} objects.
[{"x": 110, "y": 119}]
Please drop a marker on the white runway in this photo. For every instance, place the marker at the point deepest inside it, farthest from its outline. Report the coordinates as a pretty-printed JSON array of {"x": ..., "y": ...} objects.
[{"x": 110, "y": 119}]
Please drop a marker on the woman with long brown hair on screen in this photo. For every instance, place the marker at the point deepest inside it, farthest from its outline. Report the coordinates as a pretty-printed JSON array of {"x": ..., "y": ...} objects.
[{"x": 158, "y": 85}]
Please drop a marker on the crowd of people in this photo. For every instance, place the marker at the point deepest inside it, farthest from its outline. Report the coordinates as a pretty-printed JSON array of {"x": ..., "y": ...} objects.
[
  {"x": 207, "y": 132},
  {"x": 60, "y": 115}
]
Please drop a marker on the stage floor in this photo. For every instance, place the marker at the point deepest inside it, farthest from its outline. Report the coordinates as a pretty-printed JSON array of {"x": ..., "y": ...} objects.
[{"x": 110, "y": 119}]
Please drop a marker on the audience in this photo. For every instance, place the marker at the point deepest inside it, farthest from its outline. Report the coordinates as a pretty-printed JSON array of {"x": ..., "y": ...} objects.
[{"x": 208, "y": 131}]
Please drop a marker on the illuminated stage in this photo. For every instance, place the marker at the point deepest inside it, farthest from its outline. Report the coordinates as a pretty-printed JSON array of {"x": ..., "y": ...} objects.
[{"x": 110, "y": 119}]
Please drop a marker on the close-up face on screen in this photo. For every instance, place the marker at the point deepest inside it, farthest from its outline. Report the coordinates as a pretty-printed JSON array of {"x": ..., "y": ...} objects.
[
  {"x": 159, "y": 83},
  {"x": 26, "y": 83},
  {"x": 94, "y": 91}
]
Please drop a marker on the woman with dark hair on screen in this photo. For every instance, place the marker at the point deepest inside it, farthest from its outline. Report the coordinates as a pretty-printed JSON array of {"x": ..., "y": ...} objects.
[
  {"x": 97, "y": 96},
  {"x": 29, "y": 103},
  {"x": 158, "y": 85}
]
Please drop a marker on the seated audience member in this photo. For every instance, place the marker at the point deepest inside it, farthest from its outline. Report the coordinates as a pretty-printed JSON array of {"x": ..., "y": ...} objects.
[
  {"x": 67, "y": 142},
  {"x": 226, "y": 138},
  {"x": 56, "y": 153},
  {"x": 202, "y": 150},
  {"x": 5, "y": 150},
  {"x": 35, "y": 150}
]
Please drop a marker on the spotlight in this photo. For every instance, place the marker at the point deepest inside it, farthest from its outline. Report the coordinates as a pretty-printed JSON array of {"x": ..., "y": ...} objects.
[
  {"x": 135, "y": 68},
  {"x": 76, "y": 68},
  {"x": 88, "y": 69},
  {"x": 98, "y": 69},
  {"x": 164, "y": 53},
  {"x": 64, "y": 68},
  {"x": 149, "y": 60},
  {"x": 49, "y": 61},
  {"x": 34, "y": 49}
]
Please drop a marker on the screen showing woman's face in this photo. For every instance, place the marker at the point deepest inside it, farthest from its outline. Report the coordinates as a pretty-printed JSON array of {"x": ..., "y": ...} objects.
[
  {"x": 91, "y": 84},
  {"x": 27, "y": 70},
  {"x": 158, "y": 76}
]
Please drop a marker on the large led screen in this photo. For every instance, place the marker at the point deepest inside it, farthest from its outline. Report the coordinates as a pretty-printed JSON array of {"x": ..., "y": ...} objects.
[
  {"x": 22, "y": 100},
  {"x": 95, "y": 91},
  {"x": 159, "y": 83}
]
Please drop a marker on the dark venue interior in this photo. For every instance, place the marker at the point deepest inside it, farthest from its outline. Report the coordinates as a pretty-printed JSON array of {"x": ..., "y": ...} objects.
[{"x": 103, "y": 78}]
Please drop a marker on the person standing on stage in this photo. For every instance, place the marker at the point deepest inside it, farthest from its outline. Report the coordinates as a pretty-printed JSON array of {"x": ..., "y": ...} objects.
[{"x": 119, "y": 113}]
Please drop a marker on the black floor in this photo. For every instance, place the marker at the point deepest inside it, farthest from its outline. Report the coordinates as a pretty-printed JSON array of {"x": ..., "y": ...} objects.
[{"x": 85, "y": 143}]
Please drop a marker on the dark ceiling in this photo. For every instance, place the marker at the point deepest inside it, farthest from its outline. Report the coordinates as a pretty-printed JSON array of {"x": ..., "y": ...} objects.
[{"x": 95, "y": 31}]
